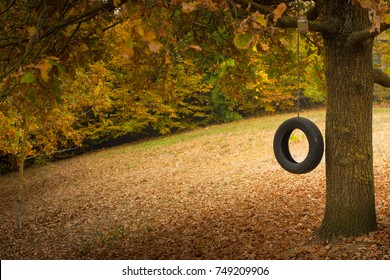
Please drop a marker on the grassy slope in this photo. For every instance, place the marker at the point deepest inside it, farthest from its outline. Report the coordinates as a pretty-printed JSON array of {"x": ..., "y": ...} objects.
[{"x": 211, "y": 193}]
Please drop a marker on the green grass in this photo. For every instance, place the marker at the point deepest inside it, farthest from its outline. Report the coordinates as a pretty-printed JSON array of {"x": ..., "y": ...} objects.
[
  {"x": 247, "y": 126},
  {"x": 256, "y": 124}
]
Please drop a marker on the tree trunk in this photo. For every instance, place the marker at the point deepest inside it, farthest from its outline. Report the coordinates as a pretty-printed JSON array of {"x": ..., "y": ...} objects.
[
  {"x": 19, "y": 201},
  {"x": 21, "y": 161},
  {"x": 350, "y": 205}
]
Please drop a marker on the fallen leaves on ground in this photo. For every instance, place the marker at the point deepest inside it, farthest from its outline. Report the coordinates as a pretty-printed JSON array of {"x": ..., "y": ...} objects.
[{"x": 217, "y": 195}]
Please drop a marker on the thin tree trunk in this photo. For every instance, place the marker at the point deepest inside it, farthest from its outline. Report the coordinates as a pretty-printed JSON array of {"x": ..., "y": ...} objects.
[
  {"x": 21, "y": 161},
  {"x": 350, "y": 203}
]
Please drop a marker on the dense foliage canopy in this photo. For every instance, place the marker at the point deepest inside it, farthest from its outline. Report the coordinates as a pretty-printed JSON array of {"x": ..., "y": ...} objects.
[{"x": 75, "y": 72}]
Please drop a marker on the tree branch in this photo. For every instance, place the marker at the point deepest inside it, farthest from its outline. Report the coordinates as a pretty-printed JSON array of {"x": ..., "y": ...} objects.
[
  {"x": 8, "y": 8},
  {"x": 381, "y": 78},
  {"x": 69, "y": 39},
  {"x": 366, "y": 34},
  {"x": 26, "y": 44},
  {"x": 85, "y": 16},
  {"x": 79, "y": 18},
  {"x": 291, "y": 22}
]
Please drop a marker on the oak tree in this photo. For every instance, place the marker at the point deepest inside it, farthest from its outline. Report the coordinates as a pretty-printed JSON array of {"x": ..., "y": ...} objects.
[{"x": 348, "y": 29}]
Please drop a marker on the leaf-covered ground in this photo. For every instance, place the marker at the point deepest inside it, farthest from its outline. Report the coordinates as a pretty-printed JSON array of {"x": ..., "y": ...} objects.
[{"x": 212, "y": 193}]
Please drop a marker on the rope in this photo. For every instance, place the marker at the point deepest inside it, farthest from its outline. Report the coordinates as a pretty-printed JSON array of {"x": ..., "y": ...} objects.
[
  {"x": 299, "y": 91},
  {"x": 299, "y": 77}
]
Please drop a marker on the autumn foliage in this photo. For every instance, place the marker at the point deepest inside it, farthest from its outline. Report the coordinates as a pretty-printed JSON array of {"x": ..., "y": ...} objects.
[
  {"x": 77, "y": 75},
  {"x": 131, "y": 75}
]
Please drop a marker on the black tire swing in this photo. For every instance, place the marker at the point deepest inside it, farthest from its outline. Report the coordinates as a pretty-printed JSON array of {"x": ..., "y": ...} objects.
[
  {"x": 282, "y": 150},
  {"x": 311, "y": 131}
]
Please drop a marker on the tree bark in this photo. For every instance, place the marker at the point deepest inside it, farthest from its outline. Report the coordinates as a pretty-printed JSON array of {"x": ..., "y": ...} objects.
[{"x": 350, "y": 203}]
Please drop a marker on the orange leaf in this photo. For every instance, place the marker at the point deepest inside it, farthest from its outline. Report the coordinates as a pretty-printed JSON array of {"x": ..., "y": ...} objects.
[
  {"x": 155, "y": 46},
  {"x": 195, "y": 47},
  {"x": 264, "y": 47},
  {"x": 128, "y": 53},
  {"x": 365, "y": 4},
  {"x": 126, "y": 47},
  {"x": 44, "y": 67},
  {"x": 280, "y": 9},
  {"x": 149, "y": 36},
  {"x": 188, "y": 7},
  {"x": 168, "y": 58}
]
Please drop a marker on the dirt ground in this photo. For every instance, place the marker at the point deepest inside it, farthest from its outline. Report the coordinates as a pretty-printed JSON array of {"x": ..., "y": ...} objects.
[{"x": 212, "y": 193}]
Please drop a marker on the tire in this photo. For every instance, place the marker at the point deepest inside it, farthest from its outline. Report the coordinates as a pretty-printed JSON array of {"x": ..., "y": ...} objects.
[{"x": 282, "y": 150}]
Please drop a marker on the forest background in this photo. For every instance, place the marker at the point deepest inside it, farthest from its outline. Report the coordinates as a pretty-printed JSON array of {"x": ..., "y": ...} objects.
[{"x": 171, "y": 71}]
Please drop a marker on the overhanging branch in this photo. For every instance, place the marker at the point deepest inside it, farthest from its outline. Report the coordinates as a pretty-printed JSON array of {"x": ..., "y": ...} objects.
[
  {"x": 366, "y": 34},
  {"x": 85, "y": 16},
  {"x": 28, "y": 45},
  {"x": 291, "y": 22},
  {"x": 381, "y": 78}
]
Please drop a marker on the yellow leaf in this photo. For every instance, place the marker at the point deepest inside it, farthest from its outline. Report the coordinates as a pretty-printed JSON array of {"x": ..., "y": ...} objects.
[
  {"x": 32, "y": 30},
  {"x": 386, "y": 18},
  {"x": 140, "y": 30},
  {"x": 261, "y": 20},
  {"x": 280, "y": 9},
  {"x": 117, "y": 3},
  {"x": 53, "y": 58}
]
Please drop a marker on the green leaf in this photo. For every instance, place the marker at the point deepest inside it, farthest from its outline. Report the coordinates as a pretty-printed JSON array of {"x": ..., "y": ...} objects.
[
  {"x": 261, "y": 20},
  {"x": 27, "y": 78},
  {"x": 242, "y": 40},
  {"x": 31, "y": 95},
  {"x": 231, "y": 62}
]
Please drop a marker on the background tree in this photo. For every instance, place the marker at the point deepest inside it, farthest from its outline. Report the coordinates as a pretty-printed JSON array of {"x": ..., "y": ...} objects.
[
  {"x": 35, "y": 120},
  {"x": 35, "y": 117}
]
